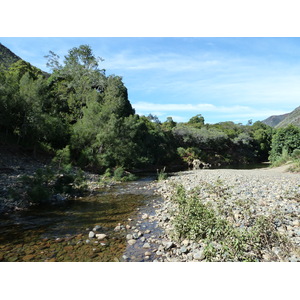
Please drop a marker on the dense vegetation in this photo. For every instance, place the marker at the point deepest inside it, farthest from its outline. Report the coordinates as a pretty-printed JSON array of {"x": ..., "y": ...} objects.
[{"x": 80, "y": 115}]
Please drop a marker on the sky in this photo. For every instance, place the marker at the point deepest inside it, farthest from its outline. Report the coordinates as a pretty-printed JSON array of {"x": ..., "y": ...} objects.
[
  {"x": 223, "y": 79},
  {"x": 230, "y": 64}
]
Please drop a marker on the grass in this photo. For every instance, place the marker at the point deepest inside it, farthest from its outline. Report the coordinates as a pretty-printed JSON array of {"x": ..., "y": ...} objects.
[
  {"x": 209, "y": 223},
  {"x": 161, "y": 174}
]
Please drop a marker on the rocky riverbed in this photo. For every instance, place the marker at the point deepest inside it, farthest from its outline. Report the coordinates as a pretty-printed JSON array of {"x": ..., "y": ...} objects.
[{"x": 248, "y": 194}]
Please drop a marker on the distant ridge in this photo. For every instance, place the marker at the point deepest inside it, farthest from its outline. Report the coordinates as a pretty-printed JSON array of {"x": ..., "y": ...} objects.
[
  {"x": 273, "y": 121},
  {"x": 292, "y": 118},
  {"x": 7, "y": 57}
]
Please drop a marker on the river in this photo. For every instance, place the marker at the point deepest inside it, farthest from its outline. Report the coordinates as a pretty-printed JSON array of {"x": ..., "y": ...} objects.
[{"x": 61, "y": 232}]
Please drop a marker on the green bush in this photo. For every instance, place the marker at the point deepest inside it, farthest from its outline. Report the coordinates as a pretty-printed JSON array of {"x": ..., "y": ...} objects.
[
  {"x": 198, "y": 221},
  {"x": 161, "y": 175}
]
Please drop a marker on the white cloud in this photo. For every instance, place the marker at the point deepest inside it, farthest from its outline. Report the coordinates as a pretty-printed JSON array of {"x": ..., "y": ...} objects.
[
  {"x": 212, "y": 113},
  {"x": 204, "y": 107}
]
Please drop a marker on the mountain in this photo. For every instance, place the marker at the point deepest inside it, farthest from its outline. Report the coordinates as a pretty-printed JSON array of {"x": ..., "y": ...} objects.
[
  {"x": 284, "y": 120},
  {"x": 273, "y": 121},
  {"x": 291, "y": 118},
  {"x": 7, "y": 57}
]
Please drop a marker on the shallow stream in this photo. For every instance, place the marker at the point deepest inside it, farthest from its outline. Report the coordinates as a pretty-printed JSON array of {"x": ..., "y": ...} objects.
[{"x": 60, "y": 233}]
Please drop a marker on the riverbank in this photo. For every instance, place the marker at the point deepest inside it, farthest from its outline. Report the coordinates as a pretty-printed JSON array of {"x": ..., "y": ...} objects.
[{"x": 244, "y": 195}]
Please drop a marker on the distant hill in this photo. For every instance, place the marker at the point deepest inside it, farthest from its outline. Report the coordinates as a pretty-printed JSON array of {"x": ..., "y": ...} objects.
[
  {"x": 273, "y": 121},
  {"x": 284, "y": 120},
  {"x": 7, "y": 57},
  {"x": 291, "y": 118}
]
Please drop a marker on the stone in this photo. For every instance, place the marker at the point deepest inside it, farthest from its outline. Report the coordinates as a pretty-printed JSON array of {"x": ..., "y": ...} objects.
[
  {"x": 185, "y": 243},
  {"x": 129, "y": 236},
  {"x": 117, "y": 228},
  {"x": 183, "y": 249},
  {"x": 147, "y": 253},
  {"x": 91, "y": 234},
  {"x": 146, "y": 246},
  {"x": 169, "y": 245},
  {"x": 96, "y": 228},
  {"x": 136, "y": 235},
  {"x": 87, "y": 241},
  {"x": 145, "y": 216},
  {"x": 199, "y": 254},
  {"x": 131, "y": 242},
  {"x": 101, "y": 236}
]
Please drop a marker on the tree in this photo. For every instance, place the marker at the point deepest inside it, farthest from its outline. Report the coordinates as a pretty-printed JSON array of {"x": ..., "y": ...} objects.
[
  {"x": 285, "y": 139},
  {"x": 73, "y": 82},
  {"x": 196, "y": 121}
]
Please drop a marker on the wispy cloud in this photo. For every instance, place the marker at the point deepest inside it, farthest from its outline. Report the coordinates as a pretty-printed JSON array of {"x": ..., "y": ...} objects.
[{"x": 237, "y": 112}]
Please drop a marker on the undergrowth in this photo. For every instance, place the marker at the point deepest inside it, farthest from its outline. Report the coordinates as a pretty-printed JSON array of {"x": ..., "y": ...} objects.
[
  {"x": 210, "y": 225},
  {"x": 47, "y": 182}
]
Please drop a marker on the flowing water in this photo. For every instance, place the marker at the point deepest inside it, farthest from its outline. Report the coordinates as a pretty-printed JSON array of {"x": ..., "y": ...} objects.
[{"x": 60, "y": 233}]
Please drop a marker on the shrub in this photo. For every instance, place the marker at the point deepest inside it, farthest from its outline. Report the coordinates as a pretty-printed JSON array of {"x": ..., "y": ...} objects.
[
  {"x": 198, "y": 221},
  {"x": 161, "y": 175}
]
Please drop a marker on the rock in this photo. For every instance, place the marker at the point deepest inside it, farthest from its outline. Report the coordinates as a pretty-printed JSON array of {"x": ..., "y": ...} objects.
[
  {"x": 91, "y": 234},
  {"x": 183, "y": 249},
  {"x": 131, "y": 242},
  {"x": 169, "y": 245},
  {"x": 101, "y": 236},
  {"x": 143, "y": 239},
  {"x": 147, "y": 253},
  {"x": 145, "y": 216},
  {"x": 136, "y": 235},
  {"x": 185, "y": 243},
  {"x": 129, "y": 236},
  {"x": 117, "y": 228},
  {"x": 294, "y": 258},
  {"x": 146, "y": 246},
  {"x": 87, "y": 241},
  {"x": 96, "y": 228},
  {"x": 199, "y": 254}
]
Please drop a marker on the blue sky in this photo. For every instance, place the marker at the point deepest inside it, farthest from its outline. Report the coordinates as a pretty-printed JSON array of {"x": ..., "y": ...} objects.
[{"x": 224, "y": 79}]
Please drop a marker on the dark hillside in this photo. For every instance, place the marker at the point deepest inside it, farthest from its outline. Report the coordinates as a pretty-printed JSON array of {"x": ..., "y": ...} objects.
[{"x": 7, "y": 57}]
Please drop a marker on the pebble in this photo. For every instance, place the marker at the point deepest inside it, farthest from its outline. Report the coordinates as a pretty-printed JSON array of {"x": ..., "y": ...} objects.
[
  {"x": 199, "y": 254},
  {"x": 131, "y": 242},
  {"x": 250, "y": 193},
  {"x": 91, "y": 234},
  {"x": 101, "y": 236},
  {"x": 96, "y": 228},
  {"x": 146, "y": 246}
]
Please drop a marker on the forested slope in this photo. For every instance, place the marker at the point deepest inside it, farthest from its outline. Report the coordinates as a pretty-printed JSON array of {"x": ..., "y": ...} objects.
[{"x": 80, "y": 115}]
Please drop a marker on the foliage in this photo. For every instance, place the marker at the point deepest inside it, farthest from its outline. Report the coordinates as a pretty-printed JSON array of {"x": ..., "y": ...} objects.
[
  {"x": 161, "y": 174},
  {"x": 47, "y": 182},
  {"x": 197, "y": 220},
  {"x": 284, "y": 142},
  {"x": 85, "y": 117}
]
